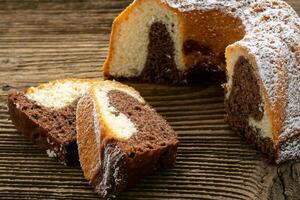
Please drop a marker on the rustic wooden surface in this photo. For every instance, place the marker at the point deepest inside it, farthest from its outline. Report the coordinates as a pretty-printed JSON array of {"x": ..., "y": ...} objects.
[{"x": 42, "y": 40}]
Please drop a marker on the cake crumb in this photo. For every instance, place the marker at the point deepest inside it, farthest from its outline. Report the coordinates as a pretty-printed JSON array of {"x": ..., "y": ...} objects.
[{"x": 51, "y": 153}]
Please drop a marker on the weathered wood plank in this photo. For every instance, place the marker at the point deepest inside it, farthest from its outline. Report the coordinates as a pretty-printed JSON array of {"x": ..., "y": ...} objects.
[{"x": 42, "y": 40}]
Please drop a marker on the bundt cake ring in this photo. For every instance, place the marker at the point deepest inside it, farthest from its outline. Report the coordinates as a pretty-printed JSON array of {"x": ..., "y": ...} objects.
[{"x": 254, "y": 43}]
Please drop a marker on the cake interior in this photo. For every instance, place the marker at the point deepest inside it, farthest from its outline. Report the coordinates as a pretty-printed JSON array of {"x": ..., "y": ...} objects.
[
  {"x": 160, "y": 66},
  {"x": 172, "y": 45},
  {"x": 123, "y": 127},
  {"x": 152, "y": 131},
  {"x": 245, "y": 100},
  {"x": 52, "y": 130},
  {"x": 50, "y": 110},
  {"x": 132, "y": 120},
  {"x": 58, "y": 94},
  {"x": 245, "y": 107},
  {"x": 53, "y": 105}
]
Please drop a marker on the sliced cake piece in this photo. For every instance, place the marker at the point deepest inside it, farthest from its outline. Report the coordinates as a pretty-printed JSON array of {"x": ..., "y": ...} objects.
[
  {"x": 121, "y": 138},
  {"x": 46, "y": 115}
]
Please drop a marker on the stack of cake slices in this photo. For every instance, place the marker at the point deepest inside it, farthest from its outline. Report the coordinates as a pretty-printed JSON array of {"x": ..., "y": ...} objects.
[{"x": 105, "y": 126}]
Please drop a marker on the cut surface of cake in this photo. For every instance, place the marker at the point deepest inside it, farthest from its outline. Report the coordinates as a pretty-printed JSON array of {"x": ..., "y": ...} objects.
[
  {"x": 46, "y": 116},
  {"x": 255, "y": 44},
  {"x": 121, "y": 138}
]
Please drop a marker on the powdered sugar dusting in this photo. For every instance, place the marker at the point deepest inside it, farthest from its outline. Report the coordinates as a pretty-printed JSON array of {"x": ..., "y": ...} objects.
[
  {"x": 111, "y": 163},
  {"x": 273, "y": 38},
  {"x": 97, "y": 127},
  {"x": 289, "y": 151},
  {"x": 189, "y": 5}
]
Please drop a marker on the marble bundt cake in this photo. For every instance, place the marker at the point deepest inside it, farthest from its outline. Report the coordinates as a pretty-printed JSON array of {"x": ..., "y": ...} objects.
[
  {"x": 254, "y": 43},
  {"x": 121, "y": 138},
  {"x": 46, "y": 115}
]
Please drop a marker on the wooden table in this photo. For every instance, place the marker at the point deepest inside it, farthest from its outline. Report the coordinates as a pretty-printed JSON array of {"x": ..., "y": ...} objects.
[{"x": 45, "y": 40}]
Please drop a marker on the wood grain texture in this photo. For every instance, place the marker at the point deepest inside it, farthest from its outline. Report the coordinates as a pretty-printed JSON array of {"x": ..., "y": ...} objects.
[{"x": 42, "y": 40}]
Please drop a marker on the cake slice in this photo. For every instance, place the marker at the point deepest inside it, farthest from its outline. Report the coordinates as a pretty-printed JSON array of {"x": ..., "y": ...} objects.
[
  {"x": 46, "y": 116},
  {"x": 121, "y": 138}
]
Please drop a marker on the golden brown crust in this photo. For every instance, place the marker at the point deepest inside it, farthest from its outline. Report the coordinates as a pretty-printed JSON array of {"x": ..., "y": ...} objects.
[
  {"x": 277, "y": 112},
  {"x": 86, "y": 137}
]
